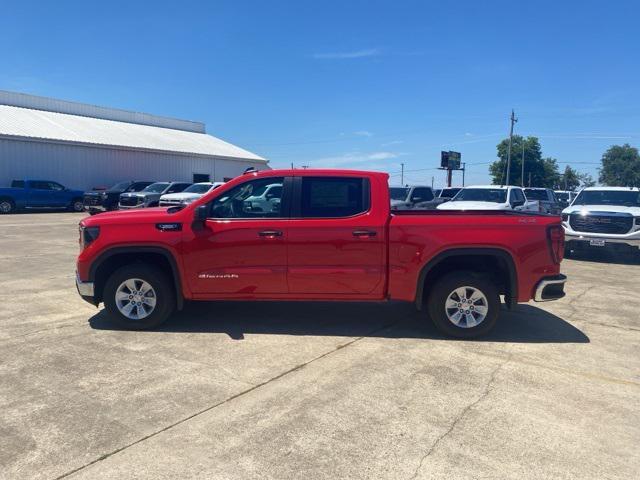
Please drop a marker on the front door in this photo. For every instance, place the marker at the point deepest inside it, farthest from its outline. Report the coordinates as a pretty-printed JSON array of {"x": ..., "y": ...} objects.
[
  {"x": 241, "y": 251},
  {"x": 336, "y": 248}
]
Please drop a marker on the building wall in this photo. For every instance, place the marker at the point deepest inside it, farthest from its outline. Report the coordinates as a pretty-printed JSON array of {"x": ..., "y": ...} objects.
[{"x": 84, "y": 167}]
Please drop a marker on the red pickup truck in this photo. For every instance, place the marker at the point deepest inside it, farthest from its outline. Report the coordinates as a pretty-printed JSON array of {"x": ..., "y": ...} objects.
[{"x": 318, "y": 235}]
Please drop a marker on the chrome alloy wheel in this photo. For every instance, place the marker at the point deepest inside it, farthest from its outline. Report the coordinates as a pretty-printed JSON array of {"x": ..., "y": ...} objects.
[
  {"x": 466, "y": 307},
  {"x": 5, "y": 206},
  {"x": 135, "y": 299}
]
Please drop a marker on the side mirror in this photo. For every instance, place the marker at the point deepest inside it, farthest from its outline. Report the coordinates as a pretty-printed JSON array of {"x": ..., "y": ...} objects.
[{"x": 200, "y": 215}]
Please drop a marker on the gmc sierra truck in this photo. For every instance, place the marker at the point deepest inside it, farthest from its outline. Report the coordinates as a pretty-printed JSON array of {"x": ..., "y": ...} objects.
[{"x": 332, "y": 236}]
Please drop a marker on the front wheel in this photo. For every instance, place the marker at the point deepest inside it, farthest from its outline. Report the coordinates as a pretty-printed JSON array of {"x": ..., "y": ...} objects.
[
  {"x": 464, "y": 304},
  {"x": 77, "y": 206},
  {"x": 139, "y": 296}
]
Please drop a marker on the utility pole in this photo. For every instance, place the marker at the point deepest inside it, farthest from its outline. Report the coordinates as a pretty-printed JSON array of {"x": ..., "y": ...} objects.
[
  {"x": 529, "y": 179},
  {"x": 463, "y": 170},
  {"x": 513, "y": 121},
  {"x": 432, "y": 178},
  {"x": 522, "y": 176},
  {"x": 402, "y": 174}
]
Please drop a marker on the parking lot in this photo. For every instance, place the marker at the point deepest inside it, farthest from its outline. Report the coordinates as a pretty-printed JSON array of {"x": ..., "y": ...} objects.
[{"x": 310, "y": 390}]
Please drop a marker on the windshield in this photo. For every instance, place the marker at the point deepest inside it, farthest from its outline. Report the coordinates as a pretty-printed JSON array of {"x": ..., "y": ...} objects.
[
  {"x": 156, "y": 187},
  {"x": 120, "y": 186},
  {"x": 621, "y": 198},
  {"x": 449, "y": 192},
  {"x": 196, "y": 188},
  {"x": 494, "y": 195},
  {"x": 562, "y": 196},
  {"x": 398, "y": 193},
  {"x": 535, "y": 194}
]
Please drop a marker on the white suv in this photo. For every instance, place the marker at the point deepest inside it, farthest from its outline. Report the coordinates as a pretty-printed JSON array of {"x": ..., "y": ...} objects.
[{"x": 603, "y": 215}]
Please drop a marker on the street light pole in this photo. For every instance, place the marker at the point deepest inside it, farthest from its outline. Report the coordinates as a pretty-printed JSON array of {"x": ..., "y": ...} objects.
[
  {"x": 522, "y": 176},
  {"x": 402, "y": 174},
  {"x": 513, "y": 120}
]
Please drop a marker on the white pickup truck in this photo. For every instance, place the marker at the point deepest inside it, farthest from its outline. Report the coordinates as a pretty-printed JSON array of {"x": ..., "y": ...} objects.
[
  {"x": 490, "y": 197},
  {"x": 603, "y": 217}
]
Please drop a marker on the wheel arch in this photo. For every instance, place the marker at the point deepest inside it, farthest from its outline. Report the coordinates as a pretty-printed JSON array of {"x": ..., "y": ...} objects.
[
  {"x": 112, "y": 259},
  {"x": 495, "y": 261}
]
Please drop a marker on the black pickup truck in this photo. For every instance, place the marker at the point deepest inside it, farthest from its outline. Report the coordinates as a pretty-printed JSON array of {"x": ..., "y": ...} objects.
[{"x": 96, "y": 202}]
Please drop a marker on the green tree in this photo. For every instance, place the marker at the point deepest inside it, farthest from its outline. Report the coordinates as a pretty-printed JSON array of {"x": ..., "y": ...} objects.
[
  {"x": 570, "y": 179},
  {"x": 543, "y": 172},
  {"x": 586, "y": 180},
  {"x": 620, "y": 166}
]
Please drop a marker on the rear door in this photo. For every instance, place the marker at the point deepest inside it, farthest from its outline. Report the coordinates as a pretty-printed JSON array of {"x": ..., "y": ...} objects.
[{"x": 335, "y": 246}]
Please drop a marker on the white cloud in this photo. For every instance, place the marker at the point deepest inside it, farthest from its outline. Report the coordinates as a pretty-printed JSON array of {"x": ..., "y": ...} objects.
[
  {"x": 352, "y": 159},
  {"x": 393, "y": 142},
  {"x": 363, "y": 133},
  {"x": 370, "y": 52},
  {"x": 382, "y": 155}
]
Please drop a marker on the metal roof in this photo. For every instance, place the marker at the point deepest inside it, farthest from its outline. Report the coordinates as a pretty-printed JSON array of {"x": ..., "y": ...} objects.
[
  {"x": 16, "y": 99},
  {"x": 44, "y": 125}
]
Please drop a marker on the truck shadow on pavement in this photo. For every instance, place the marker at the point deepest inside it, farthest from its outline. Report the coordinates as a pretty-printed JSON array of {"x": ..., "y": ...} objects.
[{"x": 524, "y": 324}]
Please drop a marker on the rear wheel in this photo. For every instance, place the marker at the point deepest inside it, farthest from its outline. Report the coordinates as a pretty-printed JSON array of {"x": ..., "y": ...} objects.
[
  {"x": 464, "y": 304},
  {"x": 6, "y": 206},
  {"x": 139, "y": 296}
]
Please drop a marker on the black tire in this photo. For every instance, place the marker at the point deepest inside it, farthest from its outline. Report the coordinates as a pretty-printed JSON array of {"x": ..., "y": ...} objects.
[
  {"x": 161, "y": 284},
  {"x": 77, "y": 205},
  {"x": 7, "y": 206},
  {"x": 444, "y": 287}
]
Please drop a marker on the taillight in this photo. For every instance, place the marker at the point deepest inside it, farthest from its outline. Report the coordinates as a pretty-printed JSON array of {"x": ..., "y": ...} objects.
[
  {"x": 87, "y": 236},
  {"x": 555, "y": 239}
]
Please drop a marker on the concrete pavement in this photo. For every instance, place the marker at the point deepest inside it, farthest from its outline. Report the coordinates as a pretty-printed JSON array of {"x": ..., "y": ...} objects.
[{"x": 275, "y": 390}]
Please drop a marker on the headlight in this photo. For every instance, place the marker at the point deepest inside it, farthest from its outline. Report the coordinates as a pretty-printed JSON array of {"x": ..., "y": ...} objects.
[
  {"x": 187, "y": 201},
  {"x": 87, "y": 236},
  {"x": 565, "y": 217}
]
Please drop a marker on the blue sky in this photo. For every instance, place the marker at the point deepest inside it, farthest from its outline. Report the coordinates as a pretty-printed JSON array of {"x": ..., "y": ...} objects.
[{"x": 364, "y": 84}]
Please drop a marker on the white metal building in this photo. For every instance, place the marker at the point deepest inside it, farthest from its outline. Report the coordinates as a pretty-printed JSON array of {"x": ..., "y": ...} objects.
[{"x": 83, "y": 146}]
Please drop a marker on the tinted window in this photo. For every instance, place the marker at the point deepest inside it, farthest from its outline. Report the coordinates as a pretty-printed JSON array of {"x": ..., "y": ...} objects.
[
  {"x": 40, "y": 185},
  {"x": 158, "y": 187},
  {"x": 626, "y": 198},
  {"x": 326, "y": 197},
  {"x": 17, "y": 184},
  {"x": 536, "y": 194},
  {"x": 398, "y": 193},
  {"x": 495, "y": 195},
  {"x": 198, "y": 188},
  {"x": 136, "y": 187},
  {"x": 119, "y": 187},
  {"x": 421, "y": 194},
  {"x": 449, "y": 192},
  {"x": 248, "y": 200},
  {"x": 177, "y": 187},
  {"x": 55, "y": 186}
]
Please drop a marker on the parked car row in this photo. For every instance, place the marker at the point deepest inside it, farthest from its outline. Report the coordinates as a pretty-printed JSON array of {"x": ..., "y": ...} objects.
[
  {"x": 142, "y": 194},
  {"x": 480, "y": 197}
]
